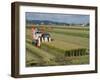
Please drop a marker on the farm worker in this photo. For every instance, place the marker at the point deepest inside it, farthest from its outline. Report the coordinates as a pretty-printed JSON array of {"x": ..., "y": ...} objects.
[
  {"x": 42, "y": 39},
  {"x": 33, "y": 32},
  {"x": 46, "y": 39},
  {"x": 38, "y": 42},
  {"x": 49, "y": 39}
]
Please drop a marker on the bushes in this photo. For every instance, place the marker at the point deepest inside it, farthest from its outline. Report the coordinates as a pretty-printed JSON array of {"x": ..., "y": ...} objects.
[{"x": 76, "y": 52}]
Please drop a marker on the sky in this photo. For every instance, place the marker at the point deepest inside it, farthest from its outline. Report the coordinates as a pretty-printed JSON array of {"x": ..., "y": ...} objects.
[{"x": 66, "y": 18}]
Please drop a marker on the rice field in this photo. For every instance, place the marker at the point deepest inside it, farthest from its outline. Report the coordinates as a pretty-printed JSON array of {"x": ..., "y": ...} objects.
[{"x": 70, "y": 46}]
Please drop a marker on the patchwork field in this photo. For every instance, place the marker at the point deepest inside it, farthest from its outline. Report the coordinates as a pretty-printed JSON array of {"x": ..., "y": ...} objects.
[{"x": 70, "y": 46}]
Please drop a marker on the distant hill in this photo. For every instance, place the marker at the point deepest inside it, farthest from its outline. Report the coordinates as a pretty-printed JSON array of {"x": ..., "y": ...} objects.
[{"x": 46, "y": 22}]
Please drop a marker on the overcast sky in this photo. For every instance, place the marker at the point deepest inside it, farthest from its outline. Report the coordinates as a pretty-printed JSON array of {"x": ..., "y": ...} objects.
[{"x": 66, "y": 18}]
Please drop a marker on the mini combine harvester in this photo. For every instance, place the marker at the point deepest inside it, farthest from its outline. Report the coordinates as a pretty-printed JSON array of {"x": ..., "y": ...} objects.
[{"x": 40, "y": 36}]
